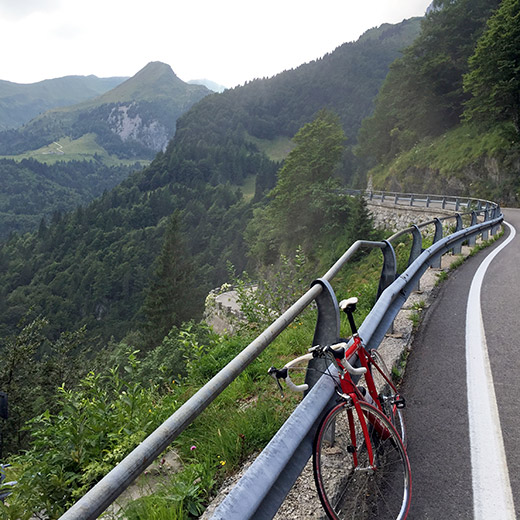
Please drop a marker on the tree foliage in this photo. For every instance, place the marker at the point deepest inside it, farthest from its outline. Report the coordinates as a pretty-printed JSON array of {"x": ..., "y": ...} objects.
[
  {"x": 423, "y": 94},
  {"x": 32, "y": 365},
  {"x": 31, "y": 191},
  {"x": 92, "y": 267},
  {"x": 494, "y": 76},
  {"x": 173, "y": 296},
  {"x": 306, "y": 207}
]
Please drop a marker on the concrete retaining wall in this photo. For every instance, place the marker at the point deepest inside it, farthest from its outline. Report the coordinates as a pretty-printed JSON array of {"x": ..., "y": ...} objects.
[{"x": 394, "y": 217}]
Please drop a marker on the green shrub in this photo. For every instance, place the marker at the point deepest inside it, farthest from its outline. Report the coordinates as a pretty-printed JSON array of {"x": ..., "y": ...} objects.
[{"x": 96, "y": 426}]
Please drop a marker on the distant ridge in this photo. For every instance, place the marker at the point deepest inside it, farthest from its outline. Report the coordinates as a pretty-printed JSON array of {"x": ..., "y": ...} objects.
[
  {"x": 134, "y": 120},
  {"x": 20, "y": 102},
  {"x": 156, "y": 80},
  {"x": 215, "y": 87}
]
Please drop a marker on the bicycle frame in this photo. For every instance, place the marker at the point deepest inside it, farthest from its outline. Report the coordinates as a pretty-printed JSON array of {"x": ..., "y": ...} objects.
[
  {"x": 366, "y": 361},
  {"x": 349, "y": 388}
]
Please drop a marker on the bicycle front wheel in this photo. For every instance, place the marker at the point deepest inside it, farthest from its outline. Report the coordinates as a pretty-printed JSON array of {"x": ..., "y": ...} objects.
[{"x": 349, "y": 485}]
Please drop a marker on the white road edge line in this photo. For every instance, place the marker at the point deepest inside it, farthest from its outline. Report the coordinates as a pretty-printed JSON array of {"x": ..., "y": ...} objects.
[{"x": 492, "y": 495}]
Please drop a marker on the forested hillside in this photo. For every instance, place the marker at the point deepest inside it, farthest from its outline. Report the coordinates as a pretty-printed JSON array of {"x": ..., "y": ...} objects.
[
  {"x": 268, "y": 112},
  {"x": 105, "y": 300},
  {"x": 446, "y": 118},
  {"x": 94, "y": 267},
  {"x": 19, "y": 103},
  {"x": 68, "y": 156},
  {"x": 33, "y": 194}
]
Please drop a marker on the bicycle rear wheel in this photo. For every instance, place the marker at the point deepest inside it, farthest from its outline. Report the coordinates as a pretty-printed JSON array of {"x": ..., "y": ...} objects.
[{"x": 348, "y": 486}]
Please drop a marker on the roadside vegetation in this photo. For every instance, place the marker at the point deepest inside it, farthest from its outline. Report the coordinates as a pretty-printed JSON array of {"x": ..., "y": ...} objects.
[{"x": 100, "y": 308}]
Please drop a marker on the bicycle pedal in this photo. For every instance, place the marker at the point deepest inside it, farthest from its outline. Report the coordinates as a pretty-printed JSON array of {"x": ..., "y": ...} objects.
[{"x": 399, "y": 401}]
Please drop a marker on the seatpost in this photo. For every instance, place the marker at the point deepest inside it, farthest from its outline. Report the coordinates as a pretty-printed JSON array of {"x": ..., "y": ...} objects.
[{"x": 350, "y": 317}]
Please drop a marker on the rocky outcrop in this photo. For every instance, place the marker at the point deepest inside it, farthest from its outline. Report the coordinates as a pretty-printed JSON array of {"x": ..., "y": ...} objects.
[
  {"x": 488, "y": 177},
  {"x": 151, "y": 134}
]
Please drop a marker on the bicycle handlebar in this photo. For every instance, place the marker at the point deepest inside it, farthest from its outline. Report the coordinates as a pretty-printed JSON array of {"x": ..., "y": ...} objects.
[
  {"x": 283, "y": 373},
  {"x": 338, "y": 351}
]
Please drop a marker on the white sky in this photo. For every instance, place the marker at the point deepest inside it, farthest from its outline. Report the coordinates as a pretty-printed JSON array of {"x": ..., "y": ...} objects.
[{"x": 226, "y": 41}]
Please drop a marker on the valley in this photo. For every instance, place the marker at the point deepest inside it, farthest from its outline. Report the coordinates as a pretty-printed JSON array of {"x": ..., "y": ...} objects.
[{"x": 121, "y": 212}]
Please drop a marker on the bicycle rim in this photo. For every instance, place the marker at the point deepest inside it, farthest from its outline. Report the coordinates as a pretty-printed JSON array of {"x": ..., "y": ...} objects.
[{"x": 348, "y": 486}]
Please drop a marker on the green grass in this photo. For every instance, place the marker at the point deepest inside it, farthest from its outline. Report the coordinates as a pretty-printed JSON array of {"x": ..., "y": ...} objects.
[
  {"x": 277, "y": 149},
  {"x": 242, "y": 420},
  {"x": 449, "y": 154},
  {"x": 66, "y": 149},
  {"x": 248, "y": 188}
]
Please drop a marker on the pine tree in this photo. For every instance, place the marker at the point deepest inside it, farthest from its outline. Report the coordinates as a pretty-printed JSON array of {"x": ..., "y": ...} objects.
[{"x": 171, "y": 298}]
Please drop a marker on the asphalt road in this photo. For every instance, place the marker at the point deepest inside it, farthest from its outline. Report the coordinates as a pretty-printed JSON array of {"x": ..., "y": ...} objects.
[{"x": 455, "y": 476}]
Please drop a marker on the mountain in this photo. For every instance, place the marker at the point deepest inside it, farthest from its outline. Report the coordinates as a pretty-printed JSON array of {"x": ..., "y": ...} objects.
[
  {"x": 19, "y": 103},
  {"x": 223, "y": 135},
  {"x": 215, "y": 87},
  {"x": 81, "y": 150},
  {"x": 95, "y": 266},
  {"x": 134, "y": 120}
]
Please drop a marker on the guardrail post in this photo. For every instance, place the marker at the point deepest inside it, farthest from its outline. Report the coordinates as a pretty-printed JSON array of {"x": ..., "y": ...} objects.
[
  {"x": 472, "y": 240},
  {"x": 457, "y": 249},
  {"x": 416, "y": 250},
  {"x": 436, "y": 262},
  {"x": 485, "y": 233},
  {"x": 396, "y": 198},
  {"x": 496, "y": 213},
  {"x": 416, "y": 244},
  {"x": 382, "y": 197},
  {"x": 443, "y": 202},
  {"x": 457, "y": 204},
  {"x": 389, "y": 271},
  {"x": 326, "y": 331},
  {"x": 428, "y": 201}
]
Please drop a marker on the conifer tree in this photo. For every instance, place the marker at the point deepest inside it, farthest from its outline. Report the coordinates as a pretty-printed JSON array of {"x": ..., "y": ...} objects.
[{"x": 171, "y": 298}]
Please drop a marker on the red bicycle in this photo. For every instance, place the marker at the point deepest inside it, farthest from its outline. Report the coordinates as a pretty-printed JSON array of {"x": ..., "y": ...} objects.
[{"x": 361, "y": 467}]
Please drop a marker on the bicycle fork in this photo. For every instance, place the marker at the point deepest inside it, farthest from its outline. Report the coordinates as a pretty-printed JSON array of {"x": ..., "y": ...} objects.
[{"x": 353, "y": 448}]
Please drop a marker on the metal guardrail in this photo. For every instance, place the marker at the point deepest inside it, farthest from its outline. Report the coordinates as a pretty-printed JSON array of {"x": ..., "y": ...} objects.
[
  {"x": 426, "y": 201},
  {"x": 264, "y": 487}
]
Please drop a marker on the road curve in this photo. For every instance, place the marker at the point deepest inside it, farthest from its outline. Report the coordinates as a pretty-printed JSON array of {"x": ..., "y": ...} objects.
[{"x": 436, "y": 388}]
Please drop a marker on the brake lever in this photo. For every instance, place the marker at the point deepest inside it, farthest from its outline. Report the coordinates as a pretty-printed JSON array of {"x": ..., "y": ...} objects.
[{"x": 277, "y": 375}]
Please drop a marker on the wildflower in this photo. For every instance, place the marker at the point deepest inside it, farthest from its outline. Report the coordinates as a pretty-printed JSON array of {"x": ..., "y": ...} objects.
[
  {"x": 193, "y": 448},
  {"x": 222, "y": 462}
]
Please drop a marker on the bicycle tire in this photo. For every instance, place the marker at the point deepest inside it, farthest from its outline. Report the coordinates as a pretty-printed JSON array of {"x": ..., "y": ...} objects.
[
  {"x": 386, "y": 396},
  {"x": 363, "y": 493}
]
